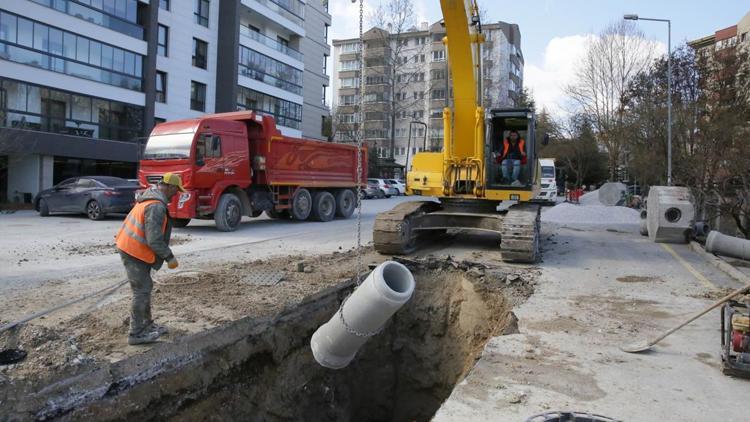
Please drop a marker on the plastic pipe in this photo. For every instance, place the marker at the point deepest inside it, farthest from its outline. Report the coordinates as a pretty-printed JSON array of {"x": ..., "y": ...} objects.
[
  {"x": 388, "y": 287},
  {"x": 731, "y": 246}
]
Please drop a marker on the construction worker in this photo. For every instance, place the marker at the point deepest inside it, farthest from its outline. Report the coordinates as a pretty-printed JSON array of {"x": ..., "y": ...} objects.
[
  {"x": 143, "y": 243},
  {"x": 512, "y": 157}
]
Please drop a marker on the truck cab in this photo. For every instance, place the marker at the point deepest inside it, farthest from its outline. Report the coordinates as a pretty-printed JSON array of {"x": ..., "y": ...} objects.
[{"x": 548, "y": 189}]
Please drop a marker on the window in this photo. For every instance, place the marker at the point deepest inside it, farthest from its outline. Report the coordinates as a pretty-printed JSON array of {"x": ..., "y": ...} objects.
[
  {"x": 421, "y": 58},
  {"x": 269, "y": 71},
  {"x": 201, "y": 12},
  {"x": 436, "y": 74},
  {"x": 325, "y": 34},
  {"x": 348, "y": 82},
  {"x": 162, "y": 42},
  {"x": 347, "y": 99},
  {"x": 348, "y": 118},
  {"x": 164, "y": 4},
  {"x": 438, "y": 56},
  {"x": 161, "y": 87},
  {"x": 200, "y": 53},
  {"x": 437, "y": 94},
  {"x": 349, "y": 47},
  {"x": 436, "y": 113},
  {"x": 197, "y": 96},
  {"x": 285, "y": 113},
  {"x": 349, "y": 65},
  {"x": 417, "y": 115},
  {"x": 282, "y": 41},
  {"x": 207, "y": 146}
]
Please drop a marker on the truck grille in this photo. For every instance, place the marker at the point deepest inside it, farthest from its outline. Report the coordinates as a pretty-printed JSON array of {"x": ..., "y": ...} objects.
[{"x": 153, "y": 179}]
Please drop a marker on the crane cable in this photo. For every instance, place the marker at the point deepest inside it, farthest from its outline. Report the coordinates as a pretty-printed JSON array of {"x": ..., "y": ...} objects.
[{"x": 360, "y": 136}]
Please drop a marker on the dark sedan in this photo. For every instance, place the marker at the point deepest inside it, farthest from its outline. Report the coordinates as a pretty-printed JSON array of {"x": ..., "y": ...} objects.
[{"x": 95, "y": 196}]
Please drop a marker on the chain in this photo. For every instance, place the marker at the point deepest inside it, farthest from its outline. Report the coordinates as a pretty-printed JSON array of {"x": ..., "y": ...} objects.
[{"x": 360, "y": 135}]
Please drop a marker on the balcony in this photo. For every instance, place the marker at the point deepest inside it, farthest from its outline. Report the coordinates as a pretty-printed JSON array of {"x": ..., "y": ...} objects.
[
  {"x": 249, "y": 34},
  {"x": 123, "y": 24},
  {"x": 291, "y": 11}
]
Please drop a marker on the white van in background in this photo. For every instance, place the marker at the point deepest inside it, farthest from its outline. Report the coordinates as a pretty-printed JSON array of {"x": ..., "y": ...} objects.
[{"x": 548, "y": 191}]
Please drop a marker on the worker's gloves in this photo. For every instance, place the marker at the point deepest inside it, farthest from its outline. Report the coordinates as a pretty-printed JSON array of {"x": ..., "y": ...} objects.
[{"x": 172, "y": 263}]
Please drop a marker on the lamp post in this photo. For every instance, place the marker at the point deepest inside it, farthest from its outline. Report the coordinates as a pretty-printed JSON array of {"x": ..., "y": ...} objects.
[{"x": 669, "y": 88}]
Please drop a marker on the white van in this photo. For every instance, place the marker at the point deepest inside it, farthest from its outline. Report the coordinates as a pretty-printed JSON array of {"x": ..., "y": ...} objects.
[{"x": 548, "y": 191}]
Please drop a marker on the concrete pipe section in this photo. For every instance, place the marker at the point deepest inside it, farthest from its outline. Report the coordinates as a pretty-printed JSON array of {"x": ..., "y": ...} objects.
[
  {"x": 644, "y": 223},
  {"x": 730, "y": 246},
  {"x": 388, "y": 287}
]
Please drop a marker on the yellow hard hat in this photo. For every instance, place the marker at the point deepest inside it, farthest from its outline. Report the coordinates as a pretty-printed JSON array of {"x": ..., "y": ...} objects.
[{"x": 173, "y": 179}]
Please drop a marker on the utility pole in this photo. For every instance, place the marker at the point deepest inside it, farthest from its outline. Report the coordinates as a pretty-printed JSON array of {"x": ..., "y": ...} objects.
[{"x": 669, "y": 88}]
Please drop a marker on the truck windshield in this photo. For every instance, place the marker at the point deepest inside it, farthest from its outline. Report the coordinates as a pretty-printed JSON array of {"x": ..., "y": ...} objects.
[
  {"x": 548, "y": 172},
  {"x": 169, "y": 146}
]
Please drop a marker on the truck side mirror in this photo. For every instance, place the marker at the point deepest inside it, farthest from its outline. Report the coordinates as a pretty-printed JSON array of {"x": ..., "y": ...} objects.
[{"x": 545, "y": 139}]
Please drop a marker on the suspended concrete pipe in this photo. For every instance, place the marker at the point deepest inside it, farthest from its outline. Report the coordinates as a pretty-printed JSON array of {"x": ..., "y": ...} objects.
[
  {"x": 731, "y": 246},
  {"x": 388, "y": 287}
]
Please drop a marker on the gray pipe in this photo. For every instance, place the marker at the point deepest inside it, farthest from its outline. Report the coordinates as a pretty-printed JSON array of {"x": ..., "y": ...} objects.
[
  {"x": 388, "y": 287},
  {"x": 731, "y": 246}
]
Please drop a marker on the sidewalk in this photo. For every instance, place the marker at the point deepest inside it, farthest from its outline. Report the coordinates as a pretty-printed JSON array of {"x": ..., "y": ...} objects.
[{"x": 600, "y": 290}]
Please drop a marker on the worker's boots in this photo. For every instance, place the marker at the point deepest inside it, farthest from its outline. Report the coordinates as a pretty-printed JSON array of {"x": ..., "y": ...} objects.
[{"x": 149, "y": 335}]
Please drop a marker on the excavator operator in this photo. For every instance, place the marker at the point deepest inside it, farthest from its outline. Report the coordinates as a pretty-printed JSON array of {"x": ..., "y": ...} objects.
[{"x": 512, "y": 157}]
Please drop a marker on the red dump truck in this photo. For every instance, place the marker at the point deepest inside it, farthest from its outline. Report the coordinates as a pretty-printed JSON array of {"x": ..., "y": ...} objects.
[{"x": 235, "y": 164}]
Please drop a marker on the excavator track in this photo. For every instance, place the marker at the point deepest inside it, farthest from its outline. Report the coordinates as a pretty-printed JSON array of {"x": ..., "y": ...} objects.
[
  {"x": 392, "y": 232},
  {"x": 520, "y": 234}
]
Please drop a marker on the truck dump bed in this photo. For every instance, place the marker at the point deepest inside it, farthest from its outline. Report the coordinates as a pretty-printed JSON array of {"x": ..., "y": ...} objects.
[{"x": 284, "y": 160}]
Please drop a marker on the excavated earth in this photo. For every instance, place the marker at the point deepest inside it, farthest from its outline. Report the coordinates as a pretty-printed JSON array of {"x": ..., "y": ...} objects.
[{"x": 242, "y": 351}]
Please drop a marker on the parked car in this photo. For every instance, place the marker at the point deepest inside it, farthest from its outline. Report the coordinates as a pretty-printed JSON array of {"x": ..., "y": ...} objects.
[
  {"x": 372, "y": 190},
  {"x": 399, "y": 185},
  {"x": 387, "y": 188},
  {"x": 95, "y": 196}
]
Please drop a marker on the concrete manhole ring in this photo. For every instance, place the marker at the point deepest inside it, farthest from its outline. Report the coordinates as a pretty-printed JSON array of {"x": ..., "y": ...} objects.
[{"x": 570, "y": 416}]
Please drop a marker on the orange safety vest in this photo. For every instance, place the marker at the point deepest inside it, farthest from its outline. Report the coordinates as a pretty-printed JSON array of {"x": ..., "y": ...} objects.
[
  {"x": 131, "y": 238},
  {"x": 521, "y": 145}
]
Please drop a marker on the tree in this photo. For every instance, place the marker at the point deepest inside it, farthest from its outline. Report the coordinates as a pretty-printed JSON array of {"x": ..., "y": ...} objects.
[
  {"x": 526, "y": 99},
  {"x": 392, "y": 68},
  {"x": 612, "y": 60}
]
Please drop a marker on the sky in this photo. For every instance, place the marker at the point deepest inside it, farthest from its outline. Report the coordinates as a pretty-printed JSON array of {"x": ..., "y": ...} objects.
[{"x": 554, "y": 32}]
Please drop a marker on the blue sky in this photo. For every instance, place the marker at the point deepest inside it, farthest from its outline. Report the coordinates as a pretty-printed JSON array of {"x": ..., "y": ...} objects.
[{"x": 553, "y": 32}]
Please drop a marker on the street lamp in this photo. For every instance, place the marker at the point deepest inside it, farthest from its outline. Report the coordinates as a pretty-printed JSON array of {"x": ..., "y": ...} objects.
[{"x": 632, "y": 17}]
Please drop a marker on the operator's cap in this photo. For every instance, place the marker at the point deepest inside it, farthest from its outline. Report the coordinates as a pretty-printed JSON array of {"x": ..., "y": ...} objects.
[{"x": 173, "y": 179}]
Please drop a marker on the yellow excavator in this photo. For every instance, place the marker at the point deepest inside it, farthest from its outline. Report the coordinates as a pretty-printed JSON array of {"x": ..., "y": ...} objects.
[{"x": 465, "y": 177}]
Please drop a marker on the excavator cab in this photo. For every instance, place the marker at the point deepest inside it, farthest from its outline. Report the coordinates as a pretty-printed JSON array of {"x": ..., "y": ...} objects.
[{"x": 500, "y": 122}]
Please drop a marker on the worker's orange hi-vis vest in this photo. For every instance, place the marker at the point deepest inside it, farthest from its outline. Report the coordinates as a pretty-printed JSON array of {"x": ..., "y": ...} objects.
[
  {"x": 521, "y": 146},
  {"x": 131, "y": 238}
]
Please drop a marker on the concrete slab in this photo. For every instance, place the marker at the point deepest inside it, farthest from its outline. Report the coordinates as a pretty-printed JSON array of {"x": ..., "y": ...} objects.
[{"x": 599, "y": 290}]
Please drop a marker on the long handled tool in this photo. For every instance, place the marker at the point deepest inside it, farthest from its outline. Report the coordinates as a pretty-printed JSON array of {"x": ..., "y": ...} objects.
[{"x": 644, "y": 345}]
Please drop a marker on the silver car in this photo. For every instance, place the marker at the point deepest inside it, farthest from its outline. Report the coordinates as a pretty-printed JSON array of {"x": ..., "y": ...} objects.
[{"x": 387, "y": 188}]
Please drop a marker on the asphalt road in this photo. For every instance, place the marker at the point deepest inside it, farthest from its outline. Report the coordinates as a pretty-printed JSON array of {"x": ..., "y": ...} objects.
[{"x": 34, "y": 250}]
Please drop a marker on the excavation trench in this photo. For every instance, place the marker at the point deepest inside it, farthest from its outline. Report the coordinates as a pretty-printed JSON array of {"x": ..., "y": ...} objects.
[{"x": 264, "y": 370}]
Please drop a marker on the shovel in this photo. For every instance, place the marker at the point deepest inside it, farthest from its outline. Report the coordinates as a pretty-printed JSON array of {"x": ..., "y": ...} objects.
[{"x": 643, "y": 345}]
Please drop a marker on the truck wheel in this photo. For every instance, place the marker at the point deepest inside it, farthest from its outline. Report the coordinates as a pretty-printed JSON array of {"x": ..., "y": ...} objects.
[
  {"x": 301, "y": 204},
  {"x": 323, "y": 206},
  {"x": 346, "y": 202},
  {"x": 228, "y": 213},
  {"x": 180, "y": 222},
  {"x": 278, "y": 215}
]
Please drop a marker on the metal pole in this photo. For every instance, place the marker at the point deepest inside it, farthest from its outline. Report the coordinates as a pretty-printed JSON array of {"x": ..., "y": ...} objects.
[{"x": 669, "y": 103}]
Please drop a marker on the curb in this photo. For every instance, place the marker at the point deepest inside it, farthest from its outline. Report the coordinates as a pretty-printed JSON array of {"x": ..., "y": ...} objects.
[{"x": 720, "y": 263}]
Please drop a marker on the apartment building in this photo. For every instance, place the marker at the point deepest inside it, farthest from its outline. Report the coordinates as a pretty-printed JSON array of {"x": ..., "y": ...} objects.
[
  {"x": 82, "y": 82},
  {"x": 406, "y": 86},
  {"x": 738, "y": 34}
]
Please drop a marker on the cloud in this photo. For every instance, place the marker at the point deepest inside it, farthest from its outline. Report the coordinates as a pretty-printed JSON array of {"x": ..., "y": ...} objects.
[
  {"x": 561, "y": 58},
  {"x": 547, "y": 82}
]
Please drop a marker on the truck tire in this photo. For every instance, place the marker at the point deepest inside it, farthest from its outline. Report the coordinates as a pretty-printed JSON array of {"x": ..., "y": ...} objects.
[
  {"x": 228, "y": 213},
  {"x": 278, "y": 215},
  {"x": 346, "y": 202},
  {"x": 301, "y": 204},
  {"x": 180, "y": 222},
  {"x": 323, "y": 206}
]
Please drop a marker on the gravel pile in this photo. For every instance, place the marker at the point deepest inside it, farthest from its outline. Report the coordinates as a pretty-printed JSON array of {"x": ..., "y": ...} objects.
[
  {"x": 566, "y": 213},
  {"x": 590, "y": 198}
]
